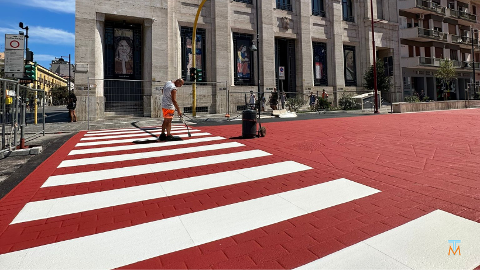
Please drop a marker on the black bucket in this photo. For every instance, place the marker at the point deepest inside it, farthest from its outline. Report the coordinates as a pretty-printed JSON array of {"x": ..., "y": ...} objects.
[{"x": 249, "y": 124}]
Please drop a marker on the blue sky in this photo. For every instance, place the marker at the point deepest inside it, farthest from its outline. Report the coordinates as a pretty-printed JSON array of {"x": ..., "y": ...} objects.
[{"x": 51, "y": 26}]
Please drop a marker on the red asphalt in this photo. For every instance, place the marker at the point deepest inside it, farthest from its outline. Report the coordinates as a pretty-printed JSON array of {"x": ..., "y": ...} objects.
[{"x": 420, "y": 162}]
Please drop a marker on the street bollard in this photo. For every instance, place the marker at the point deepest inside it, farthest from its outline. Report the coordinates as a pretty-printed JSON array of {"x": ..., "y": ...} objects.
[
  {"x": 36, "y": 109},
  {"x": 4, "y": 116},
  {"x": 22, "y": 126},
  {"x": 43, "y": 113},
  {"x": 15, "y": 115}
]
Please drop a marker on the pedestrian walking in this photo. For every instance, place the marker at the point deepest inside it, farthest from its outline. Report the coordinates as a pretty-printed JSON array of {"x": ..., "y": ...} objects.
[
  {"x": 324, "y": 94},
  {"x": 252, "y": 100},
  {"x": 274, "y": 99},
  {"x": 264, "y": 100},
  {"x": 282, "y": 100},
  {"x": 312, "y": 98},
  {"x": 422, "y": 95},
  {"x": 71, "y": 106},
  {"x": 169, "y": 105}
]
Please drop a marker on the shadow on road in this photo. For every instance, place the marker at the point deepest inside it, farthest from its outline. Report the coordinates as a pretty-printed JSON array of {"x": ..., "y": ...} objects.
[
  {"x": 134, "y": 124},
  {"x": 54, "y": 114}
]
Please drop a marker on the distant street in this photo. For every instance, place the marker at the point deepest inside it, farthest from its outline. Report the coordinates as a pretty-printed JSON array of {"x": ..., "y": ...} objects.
[{"x": 55, "y": 114}]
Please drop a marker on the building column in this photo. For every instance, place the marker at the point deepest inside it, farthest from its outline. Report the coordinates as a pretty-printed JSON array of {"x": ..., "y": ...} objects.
[
  {"x": 163, "y": 54},
  {"x": 267, "y": 45},
  {"x": 305, "y": 51},
  {"x": 90, "y": 99},
  {"x": 147, "y": 67},
  {"x": 221, "y": 50},
  {"x": 336, "y": 51}
]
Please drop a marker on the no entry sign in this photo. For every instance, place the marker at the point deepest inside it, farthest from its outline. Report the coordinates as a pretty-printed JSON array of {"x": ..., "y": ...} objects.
[
  {"x": 14, "y": 42},
  {"x": 281, "y": 73}
]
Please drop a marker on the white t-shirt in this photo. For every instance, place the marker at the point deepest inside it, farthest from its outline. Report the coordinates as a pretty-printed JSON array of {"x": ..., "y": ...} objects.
[
  {"x": 167, "y": 102},
  {"x": 252, "y": 99}
]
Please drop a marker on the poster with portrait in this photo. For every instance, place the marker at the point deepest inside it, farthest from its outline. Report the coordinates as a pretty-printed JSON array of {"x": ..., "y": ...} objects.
[
  {"x": 123, "y": 51},
  {"x": 243, "y": 59},
  {"x": 350, "y": 68},
  {"x": 189, "y": 47},
  {"x": 320, "y": 63}
]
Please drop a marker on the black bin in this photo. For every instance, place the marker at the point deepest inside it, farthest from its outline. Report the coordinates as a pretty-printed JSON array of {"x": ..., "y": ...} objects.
[{"x": 249, "y": 124}]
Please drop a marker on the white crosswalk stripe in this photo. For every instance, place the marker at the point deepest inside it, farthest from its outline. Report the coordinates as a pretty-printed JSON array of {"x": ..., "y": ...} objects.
[
  {"x": 128, "y": 129},
  {"x": 85, "y": 177},
  {"x": 142, "y": 146},
  {"x": 146, "y": 137},
  {"x": 135, "y": 135},
  {"x": 185, "y": 231},
  {"x": 130, "y": 132},
  {"x": 419, "y": 244},
  {"x": 145, "y": 155},
  {"x": 81, "y": 203}
]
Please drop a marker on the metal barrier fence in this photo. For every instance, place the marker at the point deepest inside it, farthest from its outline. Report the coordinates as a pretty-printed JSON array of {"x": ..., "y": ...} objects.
[
  {"x": 112, "y": 98},
  {"x": 241, "y": 100},
  {"x": 119, "y": 98},
  {"x": 20, "y": 106}
]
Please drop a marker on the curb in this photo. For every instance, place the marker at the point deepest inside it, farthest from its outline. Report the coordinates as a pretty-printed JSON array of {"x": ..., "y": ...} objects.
[{"x": 35, "y": 150}]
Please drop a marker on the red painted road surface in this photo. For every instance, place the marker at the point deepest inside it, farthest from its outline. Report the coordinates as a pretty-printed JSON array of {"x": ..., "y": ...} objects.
[{"x": 419, "y": 163}]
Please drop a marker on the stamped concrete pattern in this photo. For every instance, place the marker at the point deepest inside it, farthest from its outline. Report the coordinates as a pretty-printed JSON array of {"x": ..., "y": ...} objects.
[{"x": 387, "y": 191}]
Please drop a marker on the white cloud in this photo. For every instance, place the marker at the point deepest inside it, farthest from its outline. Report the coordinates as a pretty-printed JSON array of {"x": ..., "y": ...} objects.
[
  {"x": 9, "y": 30},
  {"x": 43, "y": 57},
  {"x": 52, "y": 36},
  {"x": 44, "y": 35},
  {"x": 65, "y": 6}
]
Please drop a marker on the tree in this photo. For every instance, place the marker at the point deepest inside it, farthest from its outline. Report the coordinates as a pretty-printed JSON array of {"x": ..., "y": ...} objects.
[
  {"x": 446, "y": 73},
  {"x": 384, "y": 83},
  {"x": 59, "y": 95}
]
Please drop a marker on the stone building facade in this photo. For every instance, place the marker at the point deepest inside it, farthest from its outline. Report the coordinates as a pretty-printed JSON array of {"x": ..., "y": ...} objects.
[{"x": 322, "y": 44}]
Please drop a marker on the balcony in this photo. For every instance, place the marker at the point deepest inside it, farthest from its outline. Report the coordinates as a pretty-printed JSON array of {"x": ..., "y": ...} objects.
[
  {"x": 422, "y": 34},
  {"x": 431, "y": 62},
  {"x": 456, "y": 39},
  {"x": 462, "y": 15},
  {"x": 467, "y": 16},
  {"x": 421, "y": 6},
  {"x": 468, "y": 65},
  {"x": 465, "y": 42},
  {"x": 418, "y": 61},
  {"x": 456, "y": 64}
]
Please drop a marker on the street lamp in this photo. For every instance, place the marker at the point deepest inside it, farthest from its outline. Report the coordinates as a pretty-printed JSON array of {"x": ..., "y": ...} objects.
[
  {"x": 26, "y": 36},
  {"x": 258, "y": 65},
  {"x": 374, "y": 60},
  {"x": 473, "y": 60}
]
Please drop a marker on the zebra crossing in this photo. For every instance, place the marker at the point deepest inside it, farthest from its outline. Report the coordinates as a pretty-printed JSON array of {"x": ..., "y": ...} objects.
[{"x": 109, "y": 156}]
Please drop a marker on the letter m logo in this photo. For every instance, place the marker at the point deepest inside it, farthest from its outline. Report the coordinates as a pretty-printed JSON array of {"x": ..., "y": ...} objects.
[{"x": 454, "y": 249}]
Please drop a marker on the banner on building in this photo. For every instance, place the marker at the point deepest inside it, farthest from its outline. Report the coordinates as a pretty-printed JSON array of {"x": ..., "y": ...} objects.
[{"x": 123, "y": 51}]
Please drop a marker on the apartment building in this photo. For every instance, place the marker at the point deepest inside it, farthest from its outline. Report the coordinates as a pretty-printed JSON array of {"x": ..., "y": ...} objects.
[
  {"x": 432, "y": 30},
  {"x": 321, "y": 44},
  {"x": 47, "y": 80}
]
